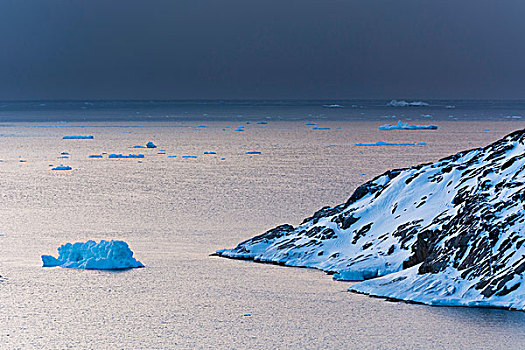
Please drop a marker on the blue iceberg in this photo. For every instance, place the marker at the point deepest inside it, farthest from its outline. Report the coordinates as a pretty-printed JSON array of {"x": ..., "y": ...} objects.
[
  {"x": 78, "y": 137},
  {"x": 405, "y": 126},
  {"x": 62, "y": 167},
  {"x": 124, "y": 156},
  {"x": 105, "y": 255}
]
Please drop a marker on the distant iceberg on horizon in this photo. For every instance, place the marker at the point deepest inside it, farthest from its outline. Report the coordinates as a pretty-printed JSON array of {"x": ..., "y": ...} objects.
[
  {"x": 405, "y": 126},
  {"x": 90, "y": 255},
  {"x": 396, "y": 103}
]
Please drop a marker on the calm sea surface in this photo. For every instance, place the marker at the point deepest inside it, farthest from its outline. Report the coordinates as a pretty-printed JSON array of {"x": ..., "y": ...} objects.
[{"x": 174, "y": 212}]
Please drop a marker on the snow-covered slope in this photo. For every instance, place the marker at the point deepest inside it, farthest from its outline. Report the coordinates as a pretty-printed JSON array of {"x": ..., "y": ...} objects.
[{"x": 449, "y": 233}]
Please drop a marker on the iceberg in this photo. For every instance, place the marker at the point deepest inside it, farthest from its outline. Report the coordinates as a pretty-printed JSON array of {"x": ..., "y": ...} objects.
[
  {"x": 383, "y": 143},
  {"x": 78, "y": 137},
  {"x": 90, "y": 255},
  {"x": 124, "y": 156},
  {"x": 395, "y": 103},
  {"x": 62, "y": 167},
  {"x": 405, "y": 126},
  {"x": 150, "y": 145}
]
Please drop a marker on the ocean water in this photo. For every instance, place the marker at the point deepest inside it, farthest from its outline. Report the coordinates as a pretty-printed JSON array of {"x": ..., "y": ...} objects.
[{"x": 175, "y": 211}]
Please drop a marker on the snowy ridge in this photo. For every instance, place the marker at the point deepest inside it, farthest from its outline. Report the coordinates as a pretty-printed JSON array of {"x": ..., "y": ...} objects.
[{"x": 447, "y": 233}]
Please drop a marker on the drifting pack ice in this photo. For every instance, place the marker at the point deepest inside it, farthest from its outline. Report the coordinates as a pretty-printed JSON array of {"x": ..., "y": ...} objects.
[
  {"x": 445, "y": 233},
  {"x": 105, "y": 255}
]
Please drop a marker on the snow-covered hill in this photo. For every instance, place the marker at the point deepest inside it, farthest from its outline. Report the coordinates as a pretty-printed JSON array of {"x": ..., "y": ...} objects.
[{"x": 446, "y": 233}]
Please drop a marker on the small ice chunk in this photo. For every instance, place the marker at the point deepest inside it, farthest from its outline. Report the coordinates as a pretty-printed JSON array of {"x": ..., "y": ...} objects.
[
  {"x": 186, "y": 157},
  {"x": 78, "y": 137},
  {"x": 253, "y": 152},
  {"x": 311, "y": 123},
  {"x": 172, "y": 156},
  {"x": 333, "y": 106},
  {"x": 138, "y": 146},
  {"x": 105, "y": 255},
  {"x": 64, "y": 153},
  {"x": 210, "y": 152},
  {"x": 262, "y": 123},
  {"x": 240, "y": 128},
  {"x": 202, "y": 126},
  {"x": 63, "y": 157},
  {"x": 320, "y": 128},
  {"x": 62, "y": 167},
  {"x": 95, "y": 156}
]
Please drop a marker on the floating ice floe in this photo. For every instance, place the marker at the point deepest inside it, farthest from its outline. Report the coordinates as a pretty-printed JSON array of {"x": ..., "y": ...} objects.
[
  {"x": 405, "y": 126},
  {"x": 202, "y": 126},
  {"x": 311, "y": 123},
  {"x": 383, "y": 143},
  {"x": 161, "y": 152},
  {"x": 124, "y": 156},
  {"x": 95, "y": 156},
  {"x": 150, "y": 145},
  {"x": 513, "y": 117},
  {"x": 138, "y": 146},
  {"x": 64, "y": 153},
  {"x": 63, "y": 157},
  {"x": 320, "y": 128},
  {"x": 395, "y": 103},
  {"x": 105, "y": 255},
  {"x": 78, "y": 137},
  {"x": 187, "y": 157},
  {"x": 240, "y": 128},
  {"x": 62, "y": 167},
  {"x": 253, "y": 152},
  {"x": 210, "y": 152},
  {"x": 262, "y": 123}
]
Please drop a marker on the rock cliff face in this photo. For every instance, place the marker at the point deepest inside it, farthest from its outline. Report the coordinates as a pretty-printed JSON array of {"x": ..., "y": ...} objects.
[{"x": 447, "y": 233}]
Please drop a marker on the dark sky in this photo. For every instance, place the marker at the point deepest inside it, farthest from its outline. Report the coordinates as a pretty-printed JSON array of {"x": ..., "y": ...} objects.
[{"x": 243, "y": 49}]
